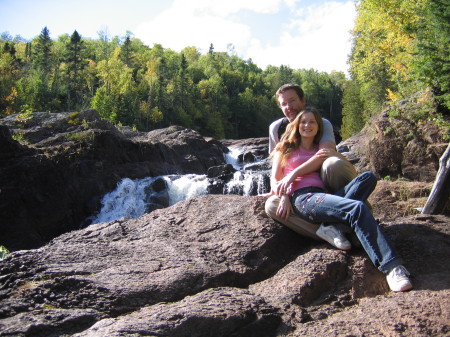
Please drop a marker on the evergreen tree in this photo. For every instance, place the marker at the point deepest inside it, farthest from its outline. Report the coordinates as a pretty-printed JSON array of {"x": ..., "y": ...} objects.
[
  {"x": 43, "y": 52},
  {"x": 74, "y": 72},
  {"x": 35, "y": 89},
  {"x": 125, "y": 51}
]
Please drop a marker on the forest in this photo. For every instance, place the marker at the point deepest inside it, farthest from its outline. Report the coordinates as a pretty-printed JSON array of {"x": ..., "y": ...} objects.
[{"x": 400, "y": 48}]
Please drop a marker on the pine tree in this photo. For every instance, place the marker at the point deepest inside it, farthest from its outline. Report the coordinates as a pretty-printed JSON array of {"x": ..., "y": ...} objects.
[
  {"x": 43, "y": 52},
  {"x": 74, "y": 75},
  {"x": 125, "y": 51}
]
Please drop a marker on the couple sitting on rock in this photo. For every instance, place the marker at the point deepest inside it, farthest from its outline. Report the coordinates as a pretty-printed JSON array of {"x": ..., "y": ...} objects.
[{"x": 315, "y": 187}]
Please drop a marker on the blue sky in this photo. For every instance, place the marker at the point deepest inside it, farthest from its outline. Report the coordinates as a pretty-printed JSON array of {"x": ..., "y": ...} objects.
[{"x": 297, "y": 33}]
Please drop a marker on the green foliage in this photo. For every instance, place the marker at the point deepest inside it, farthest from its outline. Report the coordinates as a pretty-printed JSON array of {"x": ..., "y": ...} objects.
[
  {"x": 81, "y": 137},
  {"x": 3, "y": 252},
  {"x": 353, "y": 112},
  {"x": 400, "y": 47},
  {"x": 129, "y": 83}
]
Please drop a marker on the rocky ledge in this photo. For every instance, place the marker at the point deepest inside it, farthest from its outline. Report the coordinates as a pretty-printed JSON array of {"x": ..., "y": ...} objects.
[
  {"x": 181, "y": 272},
  {"x": 70, "y": 160},
  {"x": 209, "y": 266}
]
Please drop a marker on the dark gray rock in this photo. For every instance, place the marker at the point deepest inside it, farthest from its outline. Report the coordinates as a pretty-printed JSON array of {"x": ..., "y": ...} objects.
[{"x": 72, "y": 159}]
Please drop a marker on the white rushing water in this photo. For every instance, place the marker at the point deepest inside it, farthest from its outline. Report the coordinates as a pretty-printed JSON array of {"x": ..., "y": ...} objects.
[
  {"x": 232, "y": 157},
  {"x": 186, "y": 187},
  {"x": 134, "y": 198}
]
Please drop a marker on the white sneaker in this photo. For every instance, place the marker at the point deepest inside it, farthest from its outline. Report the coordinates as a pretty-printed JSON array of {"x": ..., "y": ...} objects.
[
  {"x": 398, "y": 279},
  {"x": 334, "y": 237}
]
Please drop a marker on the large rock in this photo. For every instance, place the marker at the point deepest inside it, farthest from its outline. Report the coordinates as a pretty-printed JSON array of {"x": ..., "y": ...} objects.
[
  {"x": 402, "y": 141},
  {"x": 217, "y": 266},
  {"x": 72, "y": 159}
]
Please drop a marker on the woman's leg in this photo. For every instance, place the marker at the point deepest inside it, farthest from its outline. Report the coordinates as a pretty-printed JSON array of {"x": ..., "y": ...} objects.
[{"x": 322, "y": 207}]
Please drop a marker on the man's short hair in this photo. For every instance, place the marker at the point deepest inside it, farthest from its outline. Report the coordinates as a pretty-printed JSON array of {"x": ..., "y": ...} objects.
[{"x": 289, "y": 86}]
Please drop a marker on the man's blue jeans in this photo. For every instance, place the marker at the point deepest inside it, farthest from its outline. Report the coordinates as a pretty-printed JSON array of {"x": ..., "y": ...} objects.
[{"x": 347, "y": 206}]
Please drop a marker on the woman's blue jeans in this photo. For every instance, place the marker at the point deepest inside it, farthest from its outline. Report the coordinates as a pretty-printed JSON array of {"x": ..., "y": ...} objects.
[{"x": 348, "y": 206}]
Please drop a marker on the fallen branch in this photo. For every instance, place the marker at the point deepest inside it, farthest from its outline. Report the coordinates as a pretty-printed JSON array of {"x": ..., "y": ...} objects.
[{"x": 440, "y": 193}]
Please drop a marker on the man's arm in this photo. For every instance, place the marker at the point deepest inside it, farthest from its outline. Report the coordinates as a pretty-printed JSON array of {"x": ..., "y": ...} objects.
[
  {"x": 273, "y": 135},
  {"x": 327, "y": 141}
]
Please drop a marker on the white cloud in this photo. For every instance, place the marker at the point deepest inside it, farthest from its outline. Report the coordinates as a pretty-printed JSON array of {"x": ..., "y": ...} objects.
[
  {"x": 224, "y": 8},
  {"x": 182, "y": 26},
  {"x": 320, "y": 39},
  {"x": 313, "y": 37}
]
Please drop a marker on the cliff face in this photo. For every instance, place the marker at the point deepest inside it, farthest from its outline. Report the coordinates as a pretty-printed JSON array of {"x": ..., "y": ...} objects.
[
  {"x": 214, "y": 265},
  {"x": 71, "y": 160}
]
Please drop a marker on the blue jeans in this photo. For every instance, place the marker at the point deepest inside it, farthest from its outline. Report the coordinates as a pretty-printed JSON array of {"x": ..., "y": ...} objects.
[{"x": 348, "y": 206}]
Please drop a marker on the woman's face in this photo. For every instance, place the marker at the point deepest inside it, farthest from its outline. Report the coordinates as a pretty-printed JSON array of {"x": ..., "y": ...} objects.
[{"x": 308, "y": 126}]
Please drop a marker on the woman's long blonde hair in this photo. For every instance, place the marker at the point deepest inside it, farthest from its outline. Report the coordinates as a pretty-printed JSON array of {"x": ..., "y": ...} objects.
[{"x": 292, "y": 139}]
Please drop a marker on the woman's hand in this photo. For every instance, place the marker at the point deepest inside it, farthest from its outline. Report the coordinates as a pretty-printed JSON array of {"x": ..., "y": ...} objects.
[
  {"x": 284, "y": 209},
  {"x": 284, "y": 184},
  {"x": 267, "y": 195}
]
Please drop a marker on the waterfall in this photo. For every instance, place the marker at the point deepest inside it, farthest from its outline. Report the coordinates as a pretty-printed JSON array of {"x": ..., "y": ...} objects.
[
  {"x": 134, "y": 198},
  {"x": 127, "y": 200},
  {"x": 232, "y": 157},
  {"x": 186, "y": 187}
]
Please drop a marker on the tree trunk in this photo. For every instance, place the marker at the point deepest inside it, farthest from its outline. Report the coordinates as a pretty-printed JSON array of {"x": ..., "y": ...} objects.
[{"x": 440, "y": 193}]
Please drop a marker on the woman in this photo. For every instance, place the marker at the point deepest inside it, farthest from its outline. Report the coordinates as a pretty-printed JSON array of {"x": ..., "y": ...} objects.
[{"x": 306, "y": 195}]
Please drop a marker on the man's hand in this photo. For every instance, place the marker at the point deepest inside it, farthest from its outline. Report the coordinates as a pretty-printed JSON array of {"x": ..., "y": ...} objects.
[{"x": 325, "y": 153}]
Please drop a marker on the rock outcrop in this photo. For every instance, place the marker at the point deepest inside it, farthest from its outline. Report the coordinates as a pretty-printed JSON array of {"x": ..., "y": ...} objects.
[
  {"x": 181, "y": 272},
  {"x": 214, "y": 265},
  {"x": 72, "y": 159},
  {"x": 402, "y": 141}
]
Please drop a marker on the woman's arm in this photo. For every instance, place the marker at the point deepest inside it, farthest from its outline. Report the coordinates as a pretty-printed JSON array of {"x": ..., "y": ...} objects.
[
  {"x": 284, "y": 209},
  {"x": 312, "y": 164}
]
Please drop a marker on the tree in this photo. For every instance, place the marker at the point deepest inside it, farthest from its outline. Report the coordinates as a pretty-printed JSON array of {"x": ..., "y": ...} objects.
[
  {"x": 35, "y": 88},
  {"x": 353, "y": 112},
  {"x": 125, "y": 51},
  {"x": 9, "y": 74},
  {"x": 383, "y": 49},
  {"x": 43, "y": 52},
  {"x": 74, "y": 72},
  {"x": 114, "y": 99},
  {"x": 432, "y": 64}
]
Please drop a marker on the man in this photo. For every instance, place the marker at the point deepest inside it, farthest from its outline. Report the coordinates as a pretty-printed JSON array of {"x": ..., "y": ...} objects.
[{"x": 336, "y": 171}]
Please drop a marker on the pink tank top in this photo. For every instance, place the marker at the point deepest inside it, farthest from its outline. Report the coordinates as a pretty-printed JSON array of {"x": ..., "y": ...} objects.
[{"x": 297, "y": 158}]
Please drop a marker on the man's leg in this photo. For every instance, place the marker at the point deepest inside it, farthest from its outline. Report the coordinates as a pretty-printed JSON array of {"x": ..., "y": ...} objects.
[
  {"x": 294, "y": 222},
  {"x": 336, "y": 173}
]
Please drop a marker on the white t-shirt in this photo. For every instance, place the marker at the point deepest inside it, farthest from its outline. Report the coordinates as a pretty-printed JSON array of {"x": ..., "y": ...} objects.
[{"x": 328, "y": 134}]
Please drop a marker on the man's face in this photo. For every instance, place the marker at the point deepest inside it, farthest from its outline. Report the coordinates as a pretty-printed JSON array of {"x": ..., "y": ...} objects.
[{"x": 291, "y": 104}]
